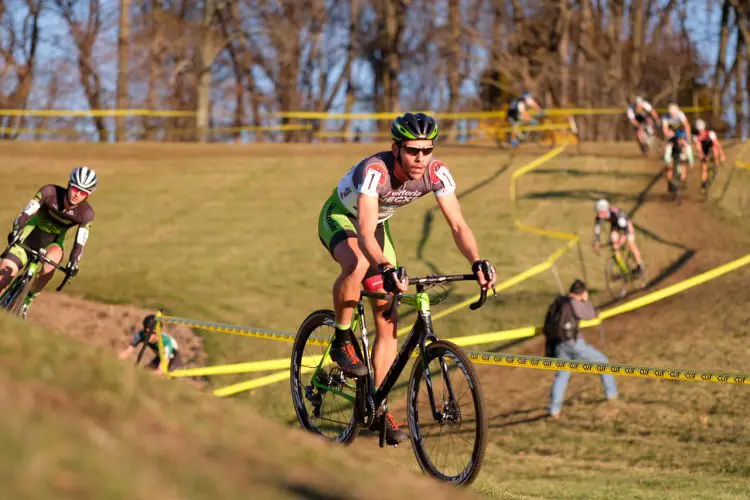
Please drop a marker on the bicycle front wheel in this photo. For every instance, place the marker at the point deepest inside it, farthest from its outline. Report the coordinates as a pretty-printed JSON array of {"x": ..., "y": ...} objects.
[
  {"x": 324, "y": 399},
  {"x": 13, "y": 299},
  {"x": 617, "y": 281},
  {"x": 448, "y": 431}
]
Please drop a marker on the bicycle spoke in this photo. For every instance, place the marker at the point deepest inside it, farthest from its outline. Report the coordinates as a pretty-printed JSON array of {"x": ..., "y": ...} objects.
[{"x": 448, "y": 447}]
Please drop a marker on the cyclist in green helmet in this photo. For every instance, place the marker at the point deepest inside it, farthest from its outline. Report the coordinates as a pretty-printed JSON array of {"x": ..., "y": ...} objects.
[{"x": 353, "y": 226}]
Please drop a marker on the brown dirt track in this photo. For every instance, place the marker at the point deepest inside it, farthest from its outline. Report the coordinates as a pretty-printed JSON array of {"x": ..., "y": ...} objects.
[{"x": 109, "y": 326}]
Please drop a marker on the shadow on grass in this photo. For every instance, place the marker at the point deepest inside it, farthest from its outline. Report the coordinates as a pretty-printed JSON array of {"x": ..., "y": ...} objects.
[
  {"x": 575, "y": 172},
  {"x": 429, "y": 215},
  {"x": 307, "y": 491}
]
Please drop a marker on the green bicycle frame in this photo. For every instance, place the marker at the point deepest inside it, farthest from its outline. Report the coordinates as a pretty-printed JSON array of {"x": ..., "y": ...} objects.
[
  {"x": 29, "y": 272},
  {"x": 420, "y": 301}
]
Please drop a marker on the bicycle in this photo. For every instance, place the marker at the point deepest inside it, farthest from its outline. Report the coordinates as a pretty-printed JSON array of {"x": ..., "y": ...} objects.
[
  {"x": 678, "y": 184},
  {"x": 712, "y": 173},
  {"x": 620, "y": 272},
  {"x": 13, "y": 297},
  {"x": 649, "y": 136},
  {"x": 331, "y": 405}
]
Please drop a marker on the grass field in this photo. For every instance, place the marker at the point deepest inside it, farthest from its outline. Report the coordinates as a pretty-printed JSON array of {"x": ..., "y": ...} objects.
[{"x": 228, "y": 233}]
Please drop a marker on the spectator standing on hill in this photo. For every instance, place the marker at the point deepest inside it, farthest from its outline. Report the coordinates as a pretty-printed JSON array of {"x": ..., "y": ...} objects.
[{"x": 564, "y": 341}]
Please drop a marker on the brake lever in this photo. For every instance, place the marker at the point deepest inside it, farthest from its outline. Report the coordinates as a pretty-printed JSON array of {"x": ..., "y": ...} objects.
[{"x": 68, "y": 277}]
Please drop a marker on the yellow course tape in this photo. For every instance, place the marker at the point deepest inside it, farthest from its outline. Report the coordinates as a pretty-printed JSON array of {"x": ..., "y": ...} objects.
[
  {"x": 742, "y": 164},
  {"x": 95, "y": 112},
  {"x": 483, "y": 338},
  {"x": 540, "y": 363},
  {"x": 530, "y": 331},
  {"x": 499, "y": 113}
]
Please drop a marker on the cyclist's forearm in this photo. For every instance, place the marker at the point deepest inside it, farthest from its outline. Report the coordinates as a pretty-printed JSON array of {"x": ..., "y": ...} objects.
[
  {"x": 465, "y": 241},
  {"x": 82, "y": 237},
  {"x": 370, "y": 247}
]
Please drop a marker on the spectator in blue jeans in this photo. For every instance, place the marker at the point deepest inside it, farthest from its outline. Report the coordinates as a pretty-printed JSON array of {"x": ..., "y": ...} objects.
[{"x": 566, "y": 342}]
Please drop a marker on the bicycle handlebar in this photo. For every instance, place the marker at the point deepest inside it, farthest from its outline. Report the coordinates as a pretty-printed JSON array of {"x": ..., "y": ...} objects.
[
  {"x": 46, "y": 260},
  {"x": 436, "y": 280}
]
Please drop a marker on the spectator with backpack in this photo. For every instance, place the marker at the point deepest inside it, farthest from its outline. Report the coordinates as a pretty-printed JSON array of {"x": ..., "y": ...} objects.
[{"x": 564, "y": 341}]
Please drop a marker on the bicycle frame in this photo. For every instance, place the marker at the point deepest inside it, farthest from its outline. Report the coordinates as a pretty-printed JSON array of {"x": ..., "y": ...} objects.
[
  {"x": 30, "y": 270},
  {"x": 621, "y": 259},
  {"x": 418, "y": 335}
]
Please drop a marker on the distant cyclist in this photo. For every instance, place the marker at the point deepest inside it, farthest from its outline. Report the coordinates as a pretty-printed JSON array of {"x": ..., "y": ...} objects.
[
  {"x": 353, "y": 226},
  {"x": 148, "y": 335},
  {"x": 709, "y": 147},
  {"x": 518, "y": 114},
  {"x": 43, "y": 224},
  {"x": 621, "y": 230},
  {"x": 642, "y": 116},
  {"x": 676, "y": 128}
]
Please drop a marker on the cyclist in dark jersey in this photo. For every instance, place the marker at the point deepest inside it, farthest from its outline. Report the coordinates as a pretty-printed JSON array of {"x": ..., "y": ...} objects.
[
  {"x": 708, "y": 145},
  {"x": 43, "y": 224},
  {"x": 621, "y": 229},
  {"x": 353, "y": 226}
]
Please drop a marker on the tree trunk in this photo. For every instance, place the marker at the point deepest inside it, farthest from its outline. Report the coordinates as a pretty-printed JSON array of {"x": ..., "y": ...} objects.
[
  {"x": 563, "y": 52},
  {"x": 351, "y": 54},
  {"x": 204, "y": 64},
  {"x": 454, "y": 59},
  {"x": 122, "y": 68},
  {"x": 638, "y": 34}
]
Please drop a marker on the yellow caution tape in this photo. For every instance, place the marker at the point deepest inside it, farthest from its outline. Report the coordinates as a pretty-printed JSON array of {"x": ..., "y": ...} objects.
[
  {"x": 543, "y": 126},
  {"x": 233, "y": 389},
  {"x": 669, "y": 291},
  {"x": 95, "y": 112},
  {"x": 231, "y": 329},
  {"x": 499, "y": 113},
  {"x": 541, "y": 363},
  {"x": 742, "y": 164}
]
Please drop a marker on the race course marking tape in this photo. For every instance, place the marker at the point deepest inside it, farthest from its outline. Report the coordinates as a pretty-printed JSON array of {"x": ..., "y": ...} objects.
[
  {"x": 540, "y": 363},
  {"x": 483, "y": 338}
]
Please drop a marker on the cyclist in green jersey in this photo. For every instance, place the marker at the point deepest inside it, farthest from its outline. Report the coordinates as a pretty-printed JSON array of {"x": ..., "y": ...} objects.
[
  {"x": 353, "y": 226},
  {"x": 148, "y": 335},
  {"x": 43, "y": 224}
]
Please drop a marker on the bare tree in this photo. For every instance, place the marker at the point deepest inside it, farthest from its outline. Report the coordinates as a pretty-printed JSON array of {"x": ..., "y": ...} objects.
[{"x": 19, "y": 45}]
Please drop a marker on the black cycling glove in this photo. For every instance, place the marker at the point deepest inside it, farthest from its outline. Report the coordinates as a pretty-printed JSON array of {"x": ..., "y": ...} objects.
[
  {"x": 486, "y": 267},
  {"x": 391, "y": 277}
]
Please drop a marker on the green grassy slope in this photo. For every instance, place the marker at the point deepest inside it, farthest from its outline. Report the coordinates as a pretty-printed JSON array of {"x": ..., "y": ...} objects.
[
  {"x": 77, "y": 424},
  {"x": 228, "y": 233}
]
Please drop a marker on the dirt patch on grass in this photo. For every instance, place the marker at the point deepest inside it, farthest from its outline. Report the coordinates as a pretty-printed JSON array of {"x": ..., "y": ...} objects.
[{"x": 110, "y": 326}]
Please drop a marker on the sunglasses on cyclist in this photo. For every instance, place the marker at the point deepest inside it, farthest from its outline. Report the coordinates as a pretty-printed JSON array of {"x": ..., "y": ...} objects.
[
  {"x": 74, "y": 190},
  {"x": 414, "y": 151}
]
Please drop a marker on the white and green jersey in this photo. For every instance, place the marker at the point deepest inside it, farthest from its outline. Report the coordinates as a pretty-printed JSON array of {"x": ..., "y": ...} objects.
[
  {"x": 374, "y": 176},
  {"x": 170, "y": 344}
]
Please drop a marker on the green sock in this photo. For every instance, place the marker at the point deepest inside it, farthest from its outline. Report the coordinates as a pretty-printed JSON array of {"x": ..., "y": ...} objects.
[{"x": 30, "y": 298}]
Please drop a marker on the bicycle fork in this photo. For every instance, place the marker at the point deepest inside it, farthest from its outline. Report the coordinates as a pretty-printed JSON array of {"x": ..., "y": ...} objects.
[{"x": 439, "y": 414}]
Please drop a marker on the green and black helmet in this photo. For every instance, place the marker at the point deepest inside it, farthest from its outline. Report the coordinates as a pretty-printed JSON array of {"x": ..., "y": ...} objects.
[{"x": 410, "y": 127}]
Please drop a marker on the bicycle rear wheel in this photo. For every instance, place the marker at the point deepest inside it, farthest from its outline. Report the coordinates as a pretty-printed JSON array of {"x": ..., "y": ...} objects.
[
  {"x": 639, "y": 280},
  {"x": 323, "y": 397},
  {"x": 449, "y": 439}
]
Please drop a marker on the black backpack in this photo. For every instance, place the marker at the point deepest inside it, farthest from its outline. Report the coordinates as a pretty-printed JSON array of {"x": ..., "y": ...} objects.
[{"x": 558, "y": 313}]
